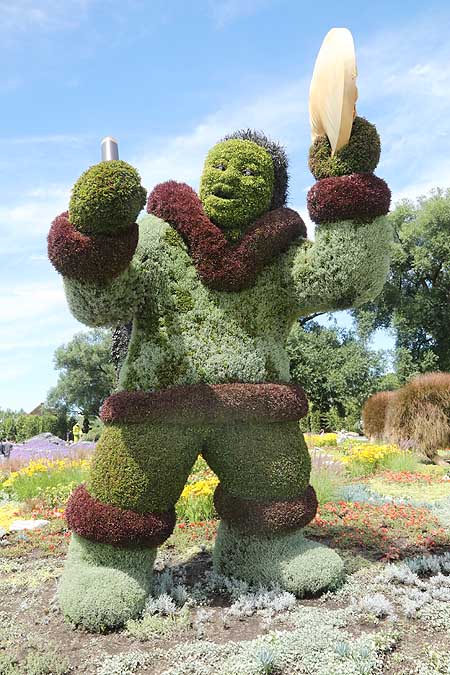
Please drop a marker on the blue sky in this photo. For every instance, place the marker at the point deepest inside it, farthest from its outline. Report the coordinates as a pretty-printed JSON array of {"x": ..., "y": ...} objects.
[{"x": 168, "y": 79}]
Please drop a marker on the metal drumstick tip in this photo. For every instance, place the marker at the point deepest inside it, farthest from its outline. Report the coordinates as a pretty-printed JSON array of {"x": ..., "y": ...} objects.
[{"x": 110, "y": 149}]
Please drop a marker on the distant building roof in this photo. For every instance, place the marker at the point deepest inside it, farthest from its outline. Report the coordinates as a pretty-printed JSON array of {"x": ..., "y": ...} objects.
[{"x": 38, "y": 410}]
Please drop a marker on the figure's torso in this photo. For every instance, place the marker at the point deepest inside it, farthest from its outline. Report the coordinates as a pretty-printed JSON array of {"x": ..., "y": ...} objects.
[{"x": 186, "y": 333}]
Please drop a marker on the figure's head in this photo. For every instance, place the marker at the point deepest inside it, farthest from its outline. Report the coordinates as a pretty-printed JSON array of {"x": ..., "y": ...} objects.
[{"x": 244, "y": 176}]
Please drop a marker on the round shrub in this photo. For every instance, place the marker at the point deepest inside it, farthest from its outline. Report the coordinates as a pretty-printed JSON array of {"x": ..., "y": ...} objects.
[
  {"x": 360, "y": 155},
  {"x": 106, "y": 198},
  {"x": 374, "y": 414},
  {"x": 419, "y": 415}
]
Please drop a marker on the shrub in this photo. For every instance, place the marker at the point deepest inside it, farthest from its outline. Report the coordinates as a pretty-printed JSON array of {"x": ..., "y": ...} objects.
[
  {"x": 153, "y": 626},
  {"x": 360, "y": 155},
  {"x": 377, "y": 604},
  {"x": 419, "y": 415},
  {"x": 374, "y": 414},
  {"x": 106, "y": 198},
  {"x": 360, "y": 197},
  {"x": 37, "y": 663}
]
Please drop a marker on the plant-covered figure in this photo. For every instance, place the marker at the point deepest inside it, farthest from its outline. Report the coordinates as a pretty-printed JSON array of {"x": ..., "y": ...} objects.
[{"x": 212, "y": 285}]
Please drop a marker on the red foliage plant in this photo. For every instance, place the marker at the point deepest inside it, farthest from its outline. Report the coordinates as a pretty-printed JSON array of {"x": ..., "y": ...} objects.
[
  {"x": 419, "y": 415},
  {"x": 374, "y": 414},
  {"x": 253, "y": 516},
  {"x": 361, "y": 197},
  {"x": 80, "y": 256},
  {"x": 223, "y": 265}
]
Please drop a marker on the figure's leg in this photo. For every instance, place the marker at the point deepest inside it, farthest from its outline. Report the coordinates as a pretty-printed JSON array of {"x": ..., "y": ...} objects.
[
  {"x": 120, "y": 517},
  {"x": 264, "y": 500}
]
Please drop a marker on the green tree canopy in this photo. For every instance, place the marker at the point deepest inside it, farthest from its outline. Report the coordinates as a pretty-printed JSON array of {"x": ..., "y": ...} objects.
[
  {"x": 87, "y": 374},
  {"x": 336, "y": 367},
  {"x": 416, "y": 298}
]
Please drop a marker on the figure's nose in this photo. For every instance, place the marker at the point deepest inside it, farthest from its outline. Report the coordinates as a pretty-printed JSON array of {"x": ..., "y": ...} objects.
[{"x": 230, "y": 176}]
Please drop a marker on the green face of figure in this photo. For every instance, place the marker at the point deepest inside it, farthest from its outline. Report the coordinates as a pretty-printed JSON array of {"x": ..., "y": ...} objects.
[{"x": 236, "y": 185}]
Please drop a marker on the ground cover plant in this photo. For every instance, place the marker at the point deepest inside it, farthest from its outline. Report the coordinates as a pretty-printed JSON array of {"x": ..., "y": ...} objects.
[{"x": 392, "y": 529}]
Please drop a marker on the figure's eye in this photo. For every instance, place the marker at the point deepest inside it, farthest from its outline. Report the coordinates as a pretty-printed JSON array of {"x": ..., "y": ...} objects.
[
  {"x": 248, "y": 172},
  {"x": 220, "y": 166}
]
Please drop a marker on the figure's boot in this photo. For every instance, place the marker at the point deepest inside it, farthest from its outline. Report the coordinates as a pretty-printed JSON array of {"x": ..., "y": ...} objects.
[
  {"x": 262, "y": 542},
  {"x": 108, "y": 571},
  {"x": 264, "y": 501},
  {"x": 288, "y": 560},
  {"x": 103, "y": 586}
]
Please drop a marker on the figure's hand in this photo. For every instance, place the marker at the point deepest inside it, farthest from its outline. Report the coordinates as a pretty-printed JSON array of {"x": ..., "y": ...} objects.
[
  {"x": 97, "y": 238},
  {"x": 106, "y": 199}
]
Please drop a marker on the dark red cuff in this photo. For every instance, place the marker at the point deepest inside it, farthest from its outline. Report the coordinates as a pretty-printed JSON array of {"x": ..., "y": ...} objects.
[
  {"x": 252, "y": 516},
  {"x": 80, "y": 256},
  {"x": 109, "y": 524},
  {"x": 360, "y": 197}
]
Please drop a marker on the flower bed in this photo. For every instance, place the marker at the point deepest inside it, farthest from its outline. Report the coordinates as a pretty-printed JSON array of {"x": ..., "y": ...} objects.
[
  {"x": 388, "y": 531},
  {"x": 42, "y": 475},
  {"x": 408, "y": 485}
]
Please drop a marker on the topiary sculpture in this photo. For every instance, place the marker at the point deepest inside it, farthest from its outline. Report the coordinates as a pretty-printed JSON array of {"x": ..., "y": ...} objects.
[{"x": 212, "y": 285}]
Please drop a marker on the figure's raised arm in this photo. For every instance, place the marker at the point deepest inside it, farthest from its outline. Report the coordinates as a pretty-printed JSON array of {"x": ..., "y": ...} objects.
[
  {"x": 348, "y": 261},
  {"x": 93, "y": 244}
]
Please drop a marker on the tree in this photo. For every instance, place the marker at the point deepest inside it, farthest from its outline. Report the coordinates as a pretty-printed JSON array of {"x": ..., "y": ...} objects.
[
  {"x": 336, "y": 368},
  {"x": 415, "y": 300},
  {"x": 87, "y": 373}
]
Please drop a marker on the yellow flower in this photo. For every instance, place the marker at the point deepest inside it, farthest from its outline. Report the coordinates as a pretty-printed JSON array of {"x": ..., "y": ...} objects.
[
  {"x": 370, "y": 454},
  {"x": 320, "y": 440},
  {"x": 202, "y": 488},
  {"x": 8, "y": 515}
]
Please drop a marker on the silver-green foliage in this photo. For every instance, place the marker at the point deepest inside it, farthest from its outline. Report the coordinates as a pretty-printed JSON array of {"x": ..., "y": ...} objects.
[
  {"x": 299, "y": 566},
  {"x": 126, "y": 663},
  {"x": 184, "y": 332},
  {"x": 312, "y": 647},
  {"x": 104, "y": 586}
]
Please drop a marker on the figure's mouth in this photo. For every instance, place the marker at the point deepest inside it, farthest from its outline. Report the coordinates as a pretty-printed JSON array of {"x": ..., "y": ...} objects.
[{"x": 223, "y": 192}]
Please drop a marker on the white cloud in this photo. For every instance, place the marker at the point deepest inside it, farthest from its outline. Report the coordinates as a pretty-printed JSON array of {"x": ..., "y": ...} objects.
[
  {"x": 64, "y": 139},
  {"x": 19, "y": 16},
  {"x": 281, "y": 113},
  {"x": 224, "y": 12},
  {"x": 26, "y": 222},
  {"x": 34, "y": 320},
  {"x": 22, "y": 303},
  {"x": 404, "y": 84}
]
